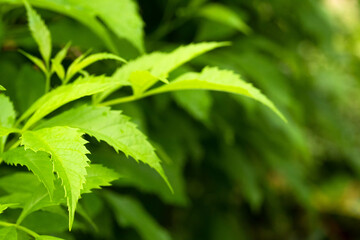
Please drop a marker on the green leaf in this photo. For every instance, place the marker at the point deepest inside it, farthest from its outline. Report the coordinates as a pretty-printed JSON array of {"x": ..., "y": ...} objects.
[
  {"x": 8, "y": 233},
  {"x": 129, "y": 212},
  {"x": 222, "y": 14},
  {"x": 37, "y": 61},
  {"x": 56, "y": 65},
  {"x": 212, "y": 78},
  {"x": 64, "y": 94},
  {"x": 39, "y": 163},
  {"x": 39, "y": 32},
  {"x": 68, "y": 153},
  {"x": 45, "y": 237},
  {"x": 98, "y": 176},
  {"x": 77, "y": 66},
  {"x": 20, "y": 182},
  {"x": 2, "y": 88},
  {"x": 113, "y": 128},
  {"x": 159, "y": 65},
  {"x": 7, "y": 119}
]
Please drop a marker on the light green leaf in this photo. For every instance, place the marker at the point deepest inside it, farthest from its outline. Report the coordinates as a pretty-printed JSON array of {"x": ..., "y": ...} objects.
[
  {"x": 113, "y": 128},
  {"x": 20, "y": 182},
  {"x": 98, "y": 176},
  {"x": 37, "y": 61},
  {"x": 45, "y": 237},
  {"x": 39, "y": 32},
  {"x": 2, "y": 88},
  {"x": 212, "y": 78},
  {"x": 82, "y": 63},
  {"x": 8, "y": 233},
  {"x": 39, "y": 163},
  {"x": 64, "y": 94},
  {"x": 68, "y": 153},
  {"x": 7, "y": 119},
  {"x": 56, "y": 65},
  {"x": 159, "y": 65},
  {"x": 129, "y": 212},
  {"x": 222, "y": 14}
]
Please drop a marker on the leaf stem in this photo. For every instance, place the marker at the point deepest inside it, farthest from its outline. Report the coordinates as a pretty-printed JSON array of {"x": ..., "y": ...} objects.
[
  {"x": 47, "y": 81},
  {"x": 24, "y": 229}
]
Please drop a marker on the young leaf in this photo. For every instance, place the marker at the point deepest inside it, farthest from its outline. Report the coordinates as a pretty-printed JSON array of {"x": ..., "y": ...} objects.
[
  {"x": 39, "y": 163},
  {"x": 141, "y": 81},
  {"x": 68, "y": 153},
  {"x": 212, "y": 78},
  {"x": 37, "y": 61},
  {"x": 77, "y": 66},
  {"x": 98, "y": 176},
  {"x": 129, "y": 212},
  {"x": 8, "y": 233},
  {"x": 113, "y": 128},
  {"x": 64, "y": 94},
  {"x": 39, "y": 32},
  {"x": 222, "y": 14},
  {"x": 2, "y": 88},
  {"x": 56, "y": 65}
]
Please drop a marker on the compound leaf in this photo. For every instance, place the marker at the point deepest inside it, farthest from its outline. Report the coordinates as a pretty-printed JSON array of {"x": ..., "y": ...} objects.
[
  {"x": 68, "y": 153},
  {"x": 113, "y": 128}
]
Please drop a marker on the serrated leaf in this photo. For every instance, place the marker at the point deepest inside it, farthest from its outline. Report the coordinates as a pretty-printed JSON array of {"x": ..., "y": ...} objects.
[
  {"x": 39, "y": 32},
  {"x": 98, "y": 176},
  {"x": 56, "y": 65},
  {"x": 46, "y": 237},
  {"x": 64, "y": 94},
  {"x": 7, "y": 119},
  {"x": 68, "y": 153},
  {"x": 8, "y": 233},
  {"x": 37, "y": 61},
  {"x": 129, "y": 212},
  {"x": 77, "y": 66},
  {"x": 212, "y": 78},
  {"x": 159, "y": 64},
  {"x": 222, "y": 14},
  {"x": 39, "y": 163},
  {"x": 113, "y": 128}
]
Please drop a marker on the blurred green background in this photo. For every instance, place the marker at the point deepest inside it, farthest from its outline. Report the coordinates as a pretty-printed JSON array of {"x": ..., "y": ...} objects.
[{"x": 237, "y": 170}]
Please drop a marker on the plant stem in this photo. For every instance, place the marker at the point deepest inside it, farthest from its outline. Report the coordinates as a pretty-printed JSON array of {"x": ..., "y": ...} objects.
[
  {"x": 24, "y": 229},
  {"x": 47, "y": 82}
]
